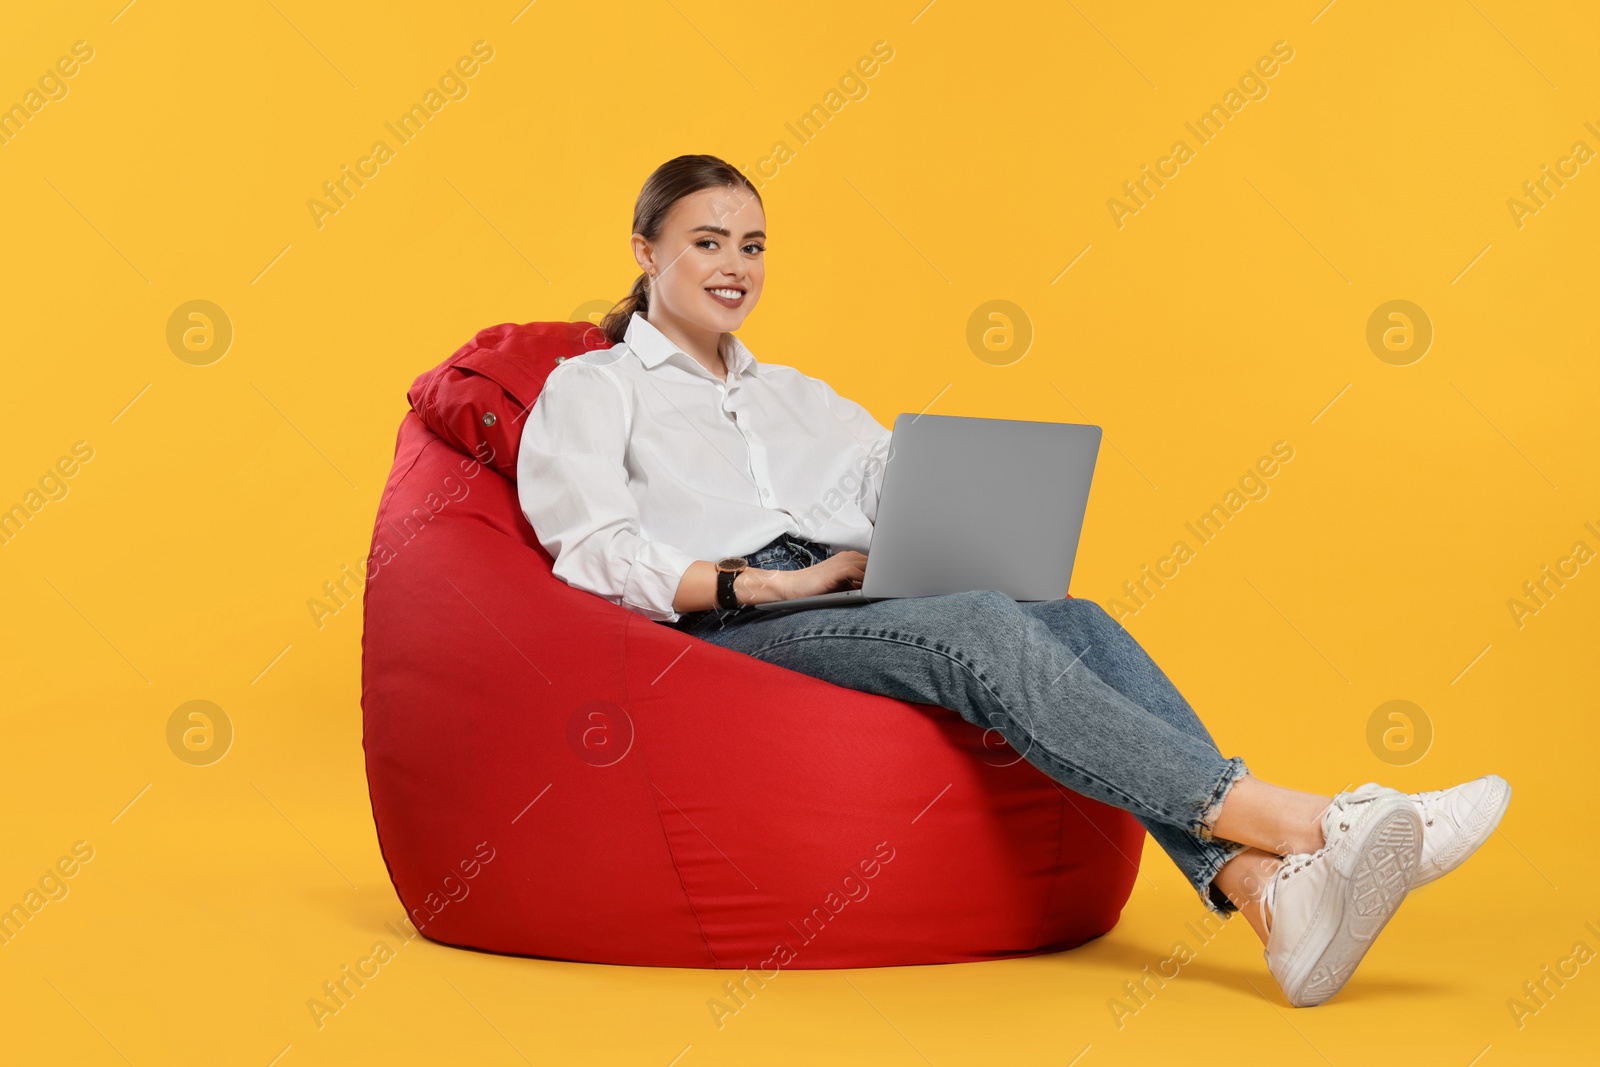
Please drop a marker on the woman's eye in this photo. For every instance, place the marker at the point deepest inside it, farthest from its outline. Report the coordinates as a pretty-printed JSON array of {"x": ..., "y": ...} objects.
[
  {"x": 706, "y": 241},
  {"x": 758, "y": 248}
]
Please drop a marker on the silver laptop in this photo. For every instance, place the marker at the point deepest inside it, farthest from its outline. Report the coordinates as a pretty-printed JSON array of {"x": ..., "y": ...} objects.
[{"x": 971, "y": 503}]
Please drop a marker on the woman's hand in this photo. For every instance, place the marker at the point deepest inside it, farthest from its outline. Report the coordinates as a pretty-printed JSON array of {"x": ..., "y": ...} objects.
[{"x": 842, "y": 570}]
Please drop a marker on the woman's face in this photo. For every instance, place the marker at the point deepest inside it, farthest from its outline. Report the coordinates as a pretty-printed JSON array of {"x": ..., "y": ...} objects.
[{"x": 712, "y": 240}]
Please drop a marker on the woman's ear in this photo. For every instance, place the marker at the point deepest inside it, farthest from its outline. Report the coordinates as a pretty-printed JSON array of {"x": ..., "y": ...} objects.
[{"x": 643, "y": 253}]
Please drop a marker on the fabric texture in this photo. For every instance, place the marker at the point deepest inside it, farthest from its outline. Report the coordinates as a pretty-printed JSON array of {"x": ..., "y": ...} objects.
[{"x": 554, "y": 775}]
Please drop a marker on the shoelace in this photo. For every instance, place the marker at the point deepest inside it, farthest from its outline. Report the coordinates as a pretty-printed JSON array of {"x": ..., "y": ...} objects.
[
  {"x": 1427, "y": 803},
  {"x": 1430, "y": 804},
  {"x": 1345, "y": 801}
]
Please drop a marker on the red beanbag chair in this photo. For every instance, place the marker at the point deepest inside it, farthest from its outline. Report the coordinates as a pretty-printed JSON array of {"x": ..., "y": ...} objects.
[{"x": 553, "y": 775}]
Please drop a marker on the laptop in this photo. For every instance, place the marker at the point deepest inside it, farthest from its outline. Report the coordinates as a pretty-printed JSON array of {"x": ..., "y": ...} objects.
[{"x": 971, "y": 503}]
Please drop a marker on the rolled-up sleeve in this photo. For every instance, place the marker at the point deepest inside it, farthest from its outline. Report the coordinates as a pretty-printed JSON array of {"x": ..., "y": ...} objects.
[{"x": 573, "y": 489}]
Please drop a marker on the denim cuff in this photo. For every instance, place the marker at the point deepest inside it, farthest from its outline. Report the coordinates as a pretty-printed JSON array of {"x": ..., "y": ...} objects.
[
  {"x": 1214, "y": 899},
  {"x": 1234, "y": 770}
]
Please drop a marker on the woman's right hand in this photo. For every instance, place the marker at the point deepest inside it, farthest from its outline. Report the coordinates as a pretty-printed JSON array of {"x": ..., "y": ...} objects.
[{"x": 842, "y": 570}]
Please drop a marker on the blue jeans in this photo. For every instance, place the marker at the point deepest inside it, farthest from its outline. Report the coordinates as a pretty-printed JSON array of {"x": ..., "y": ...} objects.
[{"x": 1060, "y": 680}]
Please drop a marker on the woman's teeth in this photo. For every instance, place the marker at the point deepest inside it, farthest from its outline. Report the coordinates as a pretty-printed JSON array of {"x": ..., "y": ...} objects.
[{"x": 727, "y": 296}]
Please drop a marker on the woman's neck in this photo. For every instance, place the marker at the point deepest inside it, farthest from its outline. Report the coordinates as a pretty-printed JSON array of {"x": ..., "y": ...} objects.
[{"x": 704, "y": 347}]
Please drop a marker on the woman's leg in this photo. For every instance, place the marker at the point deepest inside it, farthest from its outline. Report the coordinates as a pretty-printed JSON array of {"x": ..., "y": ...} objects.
[
  {"x": 1107, "y": 649},
  {"x": 1286, "y": 820},
  {"x": 1278, "y": 822},
  {"x": 1003, "y": 669},
  {"x": 1035, "y": 676}
]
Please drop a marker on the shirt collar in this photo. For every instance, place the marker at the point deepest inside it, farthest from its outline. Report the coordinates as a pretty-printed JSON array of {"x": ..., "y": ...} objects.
[{"x": 653, "y": 347}]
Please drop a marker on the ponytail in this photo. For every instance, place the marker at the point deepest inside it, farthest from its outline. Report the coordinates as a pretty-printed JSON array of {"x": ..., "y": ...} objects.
[{"x": 615, "y": 324}]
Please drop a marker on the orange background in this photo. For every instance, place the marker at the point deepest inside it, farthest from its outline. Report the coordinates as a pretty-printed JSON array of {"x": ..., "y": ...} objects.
[{"x": 1228, "y": 313}]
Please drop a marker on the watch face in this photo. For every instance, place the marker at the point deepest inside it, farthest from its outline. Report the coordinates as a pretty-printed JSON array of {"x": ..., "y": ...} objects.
[{"x": 732, "y": 563}]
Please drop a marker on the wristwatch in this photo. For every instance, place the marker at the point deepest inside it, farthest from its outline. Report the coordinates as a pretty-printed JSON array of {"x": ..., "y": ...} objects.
[{"x": 728, "y": 569}]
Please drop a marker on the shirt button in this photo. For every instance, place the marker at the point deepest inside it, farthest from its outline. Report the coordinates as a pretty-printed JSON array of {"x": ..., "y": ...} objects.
[{"x": 767, "y": 493}]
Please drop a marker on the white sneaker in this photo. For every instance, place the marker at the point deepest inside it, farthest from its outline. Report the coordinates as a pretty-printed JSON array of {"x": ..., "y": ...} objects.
[
  {"x": 1323, "y": 909},
  {"x": 1455, "y": 821}
]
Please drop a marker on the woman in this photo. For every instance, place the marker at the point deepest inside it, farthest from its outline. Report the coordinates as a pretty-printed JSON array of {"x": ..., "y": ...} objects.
[{"x": 643, "y": 463}]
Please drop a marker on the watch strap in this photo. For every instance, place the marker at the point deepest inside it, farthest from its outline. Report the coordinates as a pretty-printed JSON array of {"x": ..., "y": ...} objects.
[{"x": 726, "y": 597}]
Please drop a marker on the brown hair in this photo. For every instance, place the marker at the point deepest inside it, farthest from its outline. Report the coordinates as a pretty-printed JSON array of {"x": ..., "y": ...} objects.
[{"x": 667, "y": 184}]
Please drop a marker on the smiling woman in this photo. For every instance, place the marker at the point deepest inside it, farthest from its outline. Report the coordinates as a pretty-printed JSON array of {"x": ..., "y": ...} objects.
[
  {"x": 667, "y": 473},
  {"x": 777, "y": 437},
  {"x": 692, "y": 210}
]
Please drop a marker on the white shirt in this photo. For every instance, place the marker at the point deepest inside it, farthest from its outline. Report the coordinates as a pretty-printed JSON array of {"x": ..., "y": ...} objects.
[{"x": 636, "y": 461}]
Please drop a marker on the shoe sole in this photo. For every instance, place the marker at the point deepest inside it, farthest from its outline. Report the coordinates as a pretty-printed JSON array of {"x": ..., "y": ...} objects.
[
  {"x": 1371, "y": 878},
  {"x": 1485, "y": 820}
]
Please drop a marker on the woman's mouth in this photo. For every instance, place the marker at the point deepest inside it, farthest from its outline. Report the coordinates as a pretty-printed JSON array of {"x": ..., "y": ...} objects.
[{"x": 728, "y": 298}]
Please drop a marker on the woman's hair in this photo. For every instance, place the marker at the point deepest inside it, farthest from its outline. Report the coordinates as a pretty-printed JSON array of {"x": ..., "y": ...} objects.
[{"x": 669, "y": 183}]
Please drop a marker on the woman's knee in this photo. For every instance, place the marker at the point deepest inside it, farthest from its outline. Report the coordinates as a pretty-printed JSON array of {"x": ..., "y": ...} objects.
[
  {"x": 987, "y": 606},
  {"x": 1080, "y": 611},
  {"x": 1094, "y": 614}
]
